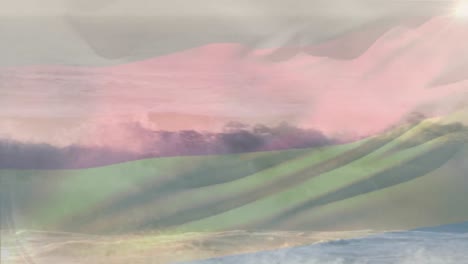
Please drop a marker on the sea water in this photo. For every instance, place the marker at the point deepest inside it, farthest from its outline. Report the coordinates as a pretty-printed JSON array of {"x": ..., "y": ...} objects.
[{"x": 410, "y": 247}]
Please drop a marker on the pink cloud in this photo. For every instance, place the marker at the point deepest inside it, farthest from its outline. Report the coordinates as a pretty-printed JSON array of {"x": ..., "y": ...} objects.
[{"x": 359, "y": 96}]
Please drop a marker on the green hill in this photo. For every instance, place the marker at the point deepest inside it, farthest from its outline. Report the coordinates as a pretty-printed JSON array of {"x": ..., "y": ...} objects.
[{"x": 409, "y": 177}]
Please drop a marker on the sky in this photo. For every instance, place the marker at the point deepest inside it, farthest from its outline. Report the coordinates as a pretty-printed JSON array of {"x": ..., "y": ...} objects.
[
  {"x": 212, "y": 7},
  {"x": 103, "y": 32},
  {"x": 73, "y": 69}
]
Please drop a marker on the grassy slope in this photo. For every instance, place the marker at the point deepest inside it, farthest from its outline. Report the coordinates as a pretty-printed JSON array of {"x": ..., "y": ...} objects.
[
  {"x": 392, "y": 181},
  {"x": 50, "y": 196},
  {"x": 256, "y": 215}
]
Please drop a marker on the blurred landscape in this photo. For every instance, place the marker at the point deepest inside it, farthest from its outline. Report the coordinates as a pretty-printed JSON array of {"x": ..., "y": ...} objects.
[
  {"x": 280, "y": 198},
  {"x": 247, "y": 131}
]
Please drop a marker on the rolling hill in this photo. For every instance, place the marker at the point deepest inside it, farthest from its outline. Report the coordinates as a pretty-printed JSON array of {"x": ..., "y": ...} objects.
[{"x": 408, "y": 177}]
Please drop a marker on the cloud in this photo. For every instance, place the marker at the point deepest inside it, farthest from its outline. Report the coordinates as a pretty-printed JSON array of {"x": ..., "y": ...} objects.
[
  {"x": 145, "y": 143},
  {"x": 358, "y": 96},
  {"x": 18, "y": 155}
]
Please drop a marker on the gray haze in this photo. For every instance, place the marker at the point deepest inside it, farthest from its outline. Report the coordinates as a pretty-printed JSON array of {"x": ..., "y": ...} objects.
[{"x": 103, "y": 32}]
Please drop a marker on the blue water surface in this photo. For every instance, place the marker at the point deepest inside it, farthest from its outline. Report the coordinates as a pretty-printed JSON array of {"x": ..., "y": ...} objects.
[{"x": 437, "y": 245}]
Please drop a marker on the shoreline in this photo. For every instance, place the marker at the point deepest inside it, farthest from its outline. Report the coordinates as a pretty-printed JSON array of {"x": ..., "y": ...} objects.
[{"x": 57, "y": 247}]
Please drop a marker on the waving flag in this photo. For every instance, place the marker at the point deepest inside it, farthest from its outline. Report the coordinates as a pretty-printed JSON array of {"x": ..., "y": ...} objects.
[{"x": 132, "y": 130}]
